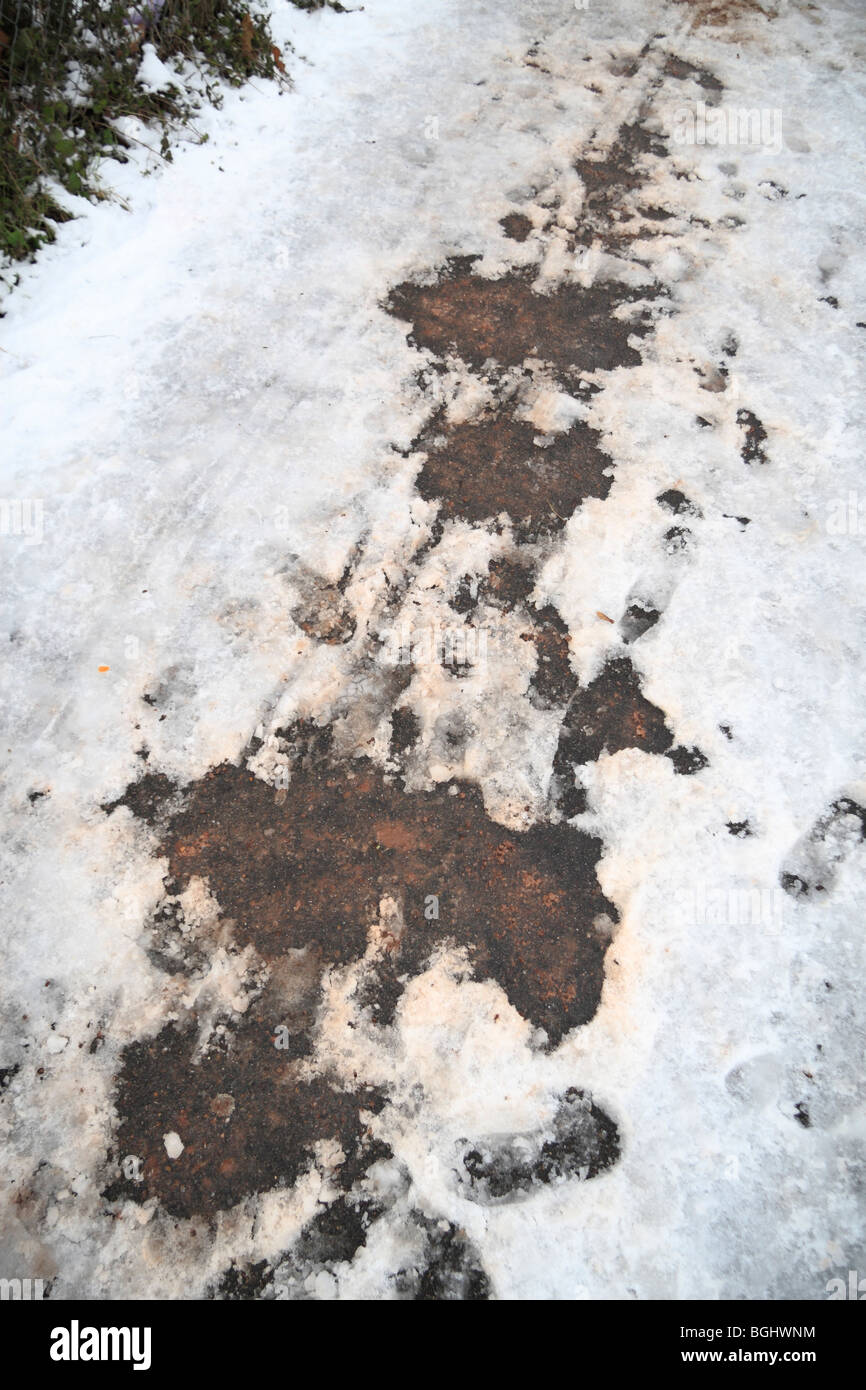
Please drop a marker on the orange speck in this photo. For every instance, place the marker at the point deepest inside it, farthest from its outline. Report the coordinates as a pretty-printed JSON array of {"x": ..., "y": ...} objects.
[
  {"x": 104, "y": 668},
  {"x": 599, "y": 614}
]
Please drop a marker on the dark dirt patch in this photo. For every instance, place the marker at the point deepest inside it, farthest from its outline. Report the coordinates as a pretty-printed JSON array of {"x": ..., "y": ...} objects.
[
  {"x": 310, "y": 872},
  {"x": 740, "y": 829},
  {"x": 263, "y": 1140},
  {"x": 606, "y": 716},
  {"x": 381, "y": 988},
  {"x": 240, "y": 1283},
  {"x": 481, "y": 468},
  {"x": 405, "y": 729},
  {"x": 618, "y": 168},
  {"x": 687, "y": 761},
  {"x": 675, "y": 501},
  {"x": 508, "y": 583},
  {"x": 755, "y": 437},
  {"x": 145, "y": 798},
  {"x": 492, "y": 465},
  {"x": 719, "y": 14},
  {"x": 554, "y": 681},
  {"x": 611, "y": 714},
  {"x": 655, "y": 214},
  {"x": 301, "y": 879},
  {"x": 516, "y": 226},
  {"x": 583, "y": 1144},
  {"x": 506, "y": 321}
]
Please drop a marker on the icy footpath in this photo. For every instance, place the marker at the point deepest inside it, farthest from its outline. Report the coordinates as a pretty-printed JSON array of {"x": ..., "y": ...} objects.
[{"x": 215, "y": 419}]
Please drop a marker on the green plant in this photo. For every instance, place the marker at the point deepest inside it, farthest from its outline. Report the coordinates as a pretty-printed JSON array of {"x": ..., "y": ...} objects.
[{"x": 68, "y": 71}]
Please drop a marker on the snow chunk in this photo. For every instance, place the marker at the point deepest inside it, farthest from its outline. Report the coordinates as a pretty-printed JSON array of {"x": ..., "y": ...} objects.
[
  {"x": 153, "y": 75},
  {"x": 174, "y": 1145}
]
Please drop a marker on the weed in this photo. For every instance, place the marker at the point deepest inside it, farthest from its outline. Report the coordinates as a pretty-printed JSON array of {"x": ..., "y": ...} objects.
[{"x": 69, "y": 71}]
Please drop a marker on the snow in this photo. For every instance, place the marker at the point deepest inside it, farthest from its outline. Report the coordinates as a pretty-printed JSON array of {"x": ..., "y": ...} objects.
[
  {"x": 153, "y": 75},
  {"x": 204, "y": 404},
  {"x": 173, "y": 1143}
]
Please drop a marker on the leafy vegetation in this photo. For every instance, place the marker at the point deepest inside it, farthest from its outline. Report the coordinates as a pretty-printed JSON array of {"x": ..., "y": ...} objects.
[{"x": 68, "y": 72}]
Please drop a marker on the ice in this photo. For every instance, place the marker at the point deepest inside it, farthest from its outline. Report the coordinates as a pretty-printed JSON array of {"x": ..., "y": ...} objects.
[
  {"x": 174, "y": 1145},
  {"x": 153, "y": 75},
  {"x": 214, "y": 413}
]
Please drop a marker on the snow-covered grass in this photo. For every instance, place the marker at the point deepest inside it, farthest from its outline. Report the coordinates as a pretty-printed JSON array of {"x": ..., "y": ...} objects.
[{"x": 69, "y": 73}]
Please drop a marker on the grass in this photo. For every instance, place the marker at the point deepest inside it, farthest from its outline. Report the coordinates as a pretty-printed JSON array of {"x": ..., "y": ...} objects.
[{"x": 68, "y": 71}]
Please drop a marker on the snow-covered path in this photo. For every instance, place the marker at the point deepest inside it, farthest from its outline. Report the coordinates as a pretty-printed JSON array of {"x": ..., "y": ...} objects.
[{"x": 220, "y": 522}]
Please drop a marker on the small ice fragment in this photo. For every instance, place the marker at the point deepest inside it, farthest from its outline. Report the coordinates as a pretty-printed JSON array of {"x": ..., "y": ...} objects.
[
  {"x": 153, "y": 75},
  {"x": 173, "y": 1144}
]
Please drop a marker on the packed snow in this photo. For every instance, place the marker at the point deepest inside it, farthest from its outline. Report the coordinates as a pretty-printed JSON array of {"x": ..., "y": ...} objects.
[{"x": 209, "y": 413}]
